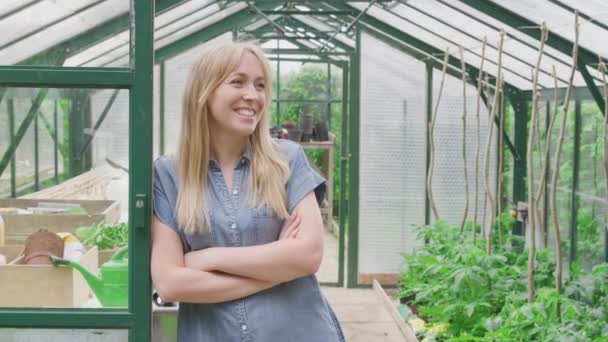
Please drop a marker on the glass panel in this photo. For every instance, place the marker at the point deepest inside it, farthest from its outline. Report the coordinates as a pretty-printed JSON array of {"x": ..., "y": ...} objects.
[
  {"x": 564, "y": 186},
  {"x": 591, "y": 218},
  {"x": 392, "y": 155},
  {"x": 519, "y": 42},
  {"x": 518, "y": 57},
  {"x": 64, "y": 335},
  {"x": 191, "y": 24},
  {"x": 448, "y": 175},
  {"x": 70, "y": 179},
  {"x": 596, "y": 9},
  {"x": 440, "y": 43},
  {"x": 320, "y": 26},
  {"x": 561, "y": 21},
  {"x": 104, "y": 53},
  {"x": 69, "y": 23}
]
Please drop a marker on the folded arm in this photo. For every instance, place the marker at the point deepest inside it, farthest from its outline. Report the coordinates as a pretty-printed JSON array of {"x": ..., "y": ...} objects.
[
  {"x": 279, "y": 261},
  {"x": 177, "y": 283}
]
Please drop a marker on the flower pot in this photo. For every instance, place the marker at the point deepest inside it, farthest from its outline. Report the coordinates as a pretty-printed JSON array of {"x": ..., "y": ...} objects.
[
  {"x": 321, "y": 131},
  {"x": 294, "y": 134},
  {"x": 306, "y": 124},
  {"x": 40, "y": 245}
]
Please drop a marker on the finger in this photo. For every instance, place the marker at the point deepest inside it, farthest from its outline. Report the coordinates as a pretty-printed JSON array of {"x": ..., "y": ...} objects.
[
  {"x": 286, "y": 226},
  {"x": 295, "y": 223},
  {"x": 294, "y": 233},
  {"x": 287, "y": 230}
]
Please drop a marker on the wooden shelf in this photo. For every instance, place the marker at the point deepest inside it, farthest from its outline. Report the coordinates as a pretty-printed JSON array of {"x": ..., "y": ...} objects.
[{"x": 327, "y": 171}]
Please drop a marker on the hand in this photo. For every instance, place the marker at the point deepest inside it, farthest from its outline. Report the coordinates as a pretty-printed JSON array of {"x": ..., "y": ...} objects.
[{"x": 291, "y": 227}]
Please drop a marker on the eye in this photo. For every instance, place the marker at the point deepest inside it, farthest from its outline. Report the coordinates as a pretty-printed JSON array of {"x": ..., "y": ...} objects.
[
  {"x": 260, "y": 85},
  {"x": 236, "y": 81}
]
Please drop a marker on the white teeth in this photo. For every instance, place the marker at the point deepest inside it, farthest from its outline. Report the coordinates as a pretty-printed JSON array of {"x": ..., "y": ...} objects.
[{"x": 246, "y": 112}]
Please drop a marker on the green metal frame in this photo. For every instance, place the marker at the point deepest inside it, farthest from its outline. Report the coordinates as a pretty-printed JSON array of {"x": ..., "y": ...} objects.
[
  {"x": 574, "y": 199},
  {"x": 43, "y": 76},
  {"x": 206, "y": 33},
  {"x": 11, "y": 129},
  {"x": 344, "y": 164},
  {"x": 519, "y": 103},
  {"x": 80, "y": 117},
  {"x": 161, "y": 108},
  {"x": 353, "y": 191},
  {"x": 137, "y": 317}
]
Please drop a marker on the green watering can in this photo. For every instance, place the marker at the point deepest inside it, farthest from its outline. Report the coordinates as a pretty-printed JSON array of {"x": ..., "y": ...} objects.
[{"x": 112, "y": 286}]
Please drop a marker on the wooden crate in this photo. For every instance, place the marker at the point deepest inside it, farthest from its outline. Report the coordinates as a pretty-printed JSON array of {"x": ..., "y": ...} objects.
[
  {"x": 43, "y": 285},
  {"x": 19, "y": 227}
]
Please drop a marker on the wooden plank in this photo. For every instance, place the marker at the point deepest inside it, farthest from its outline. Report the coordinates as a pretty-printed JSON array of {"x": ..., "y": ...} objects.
[
  {"x": 405, "y": 329},
  {"x": 89, "y": 185},
  {"x": 18, "y": 227},
  {"x": 44, "y": 285},
  {"x": 382, "y": 278}
]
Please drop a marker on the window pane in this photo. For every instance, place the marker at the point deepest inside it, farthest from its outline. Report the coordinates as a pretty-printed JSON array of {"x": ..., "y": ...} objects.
[
  {"x": 68, "y": 171},
  {"x": 60, "y": 30}
]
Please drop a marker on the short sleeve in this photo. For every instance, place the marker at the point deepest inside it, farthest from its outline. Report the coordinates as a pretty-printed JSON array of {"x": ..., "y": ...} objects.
[
  {"x": 164, "y": 197},
  {"x": 302, "y": 178}
]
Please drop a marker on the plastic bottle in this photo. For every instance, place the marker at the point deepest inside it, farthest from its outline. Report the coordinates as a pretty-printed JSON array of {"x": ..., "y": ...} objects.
[{"x": 73, "y": 249}]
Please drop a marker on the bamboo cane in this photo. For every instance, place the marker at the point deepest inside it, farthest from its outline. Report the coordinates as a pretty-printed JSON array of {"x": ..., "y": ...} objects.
[
  {"x": 477, "y": 147},
  {"x": 499, "y": 84},
  {"x": 531, "y": 137},
  {"x": 464, "y": 138},
  {"x": 501, "y": 142},
  {"x": 555, "y": 174},
  {"x": 429, "y": 180}
]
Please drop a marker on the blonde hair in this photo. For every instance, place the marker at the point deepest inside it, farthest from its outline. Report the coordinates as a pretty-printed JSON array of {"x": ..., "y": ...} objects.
[{"x": 268, "y": 169}]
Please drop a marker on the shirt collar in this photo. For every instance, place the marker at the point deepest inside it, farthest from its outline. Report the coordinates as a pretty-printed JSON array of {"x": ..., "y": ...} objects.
[{"x": 245, "y": 157}]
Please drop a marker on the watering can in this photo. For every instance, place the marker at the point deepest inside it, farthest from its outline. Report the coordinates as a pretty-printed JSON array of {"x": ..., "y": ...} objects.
[{"x": 112, "y": 286}]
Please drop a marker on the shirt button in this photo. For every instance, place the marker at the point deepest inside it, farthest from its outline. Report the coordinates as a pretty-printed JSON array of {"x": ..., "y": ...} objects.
[
  {"x": 233, "y": 226},
  {"x": 235, "y": 192},
  {"x": 244, "y": 326}
]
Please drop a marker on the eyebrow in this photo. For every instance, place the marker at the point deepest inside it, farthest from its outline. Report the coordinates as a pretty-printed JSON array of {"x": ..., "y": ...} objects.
[{"x": 242, "y": 74}]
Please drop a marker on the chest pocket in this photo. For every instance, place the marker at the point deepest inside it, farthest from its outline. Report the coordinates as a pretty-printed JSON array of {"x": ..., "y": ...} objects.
[{"x": 267, "y": 224}]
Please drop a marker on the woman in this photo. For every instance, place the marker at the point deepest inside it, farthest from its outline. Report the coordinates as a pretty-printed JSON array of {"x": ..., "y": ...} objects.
[{"x": 237, "y": 231}]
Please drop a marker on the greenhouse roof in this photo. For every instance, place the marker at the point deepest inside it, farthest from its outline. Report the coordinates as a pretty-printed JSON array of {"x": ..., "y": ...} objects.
[{"x": 95, "y": 33}]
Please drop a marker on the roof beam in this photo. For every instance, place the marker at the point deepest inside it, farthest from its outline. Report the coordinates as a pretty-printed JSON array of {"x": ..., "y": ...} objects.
[
  {"x": 202, "y": 35},
  {"x": 595, "y": 92},
  {"x": 311, "y": 12},
  {"x": 528, "y": 27}
]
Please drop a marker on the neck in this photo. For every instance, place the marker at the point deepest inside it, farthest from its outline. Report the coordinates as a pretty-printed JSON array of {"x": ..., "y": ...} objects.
[{"x": 227, "y": 150}]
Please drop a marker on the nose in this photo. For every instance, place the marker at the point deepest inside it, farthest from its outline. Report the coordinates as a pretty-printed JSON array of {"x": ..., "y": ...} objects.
[{"x": 250, "y": 93}]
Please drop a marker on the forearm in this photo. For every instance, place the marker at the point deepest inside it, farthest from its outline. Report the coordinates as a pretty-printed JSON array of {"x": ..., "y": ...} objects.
[
  {"x": 182, "y": 284},
  {"x": 279, "y": 261}
]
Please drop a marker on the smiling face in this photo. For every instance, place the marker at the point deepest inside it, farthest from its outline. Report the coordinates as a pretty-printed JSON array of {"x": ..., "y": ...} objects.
[{"x": 237, "y": 104}]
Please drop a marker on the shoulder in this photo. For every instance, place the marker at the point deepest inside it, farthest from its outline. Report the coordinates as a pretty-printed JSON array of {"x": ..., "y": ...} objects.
[
  {"x": 290, "y": 150},
  {"x": 164, "y": 168}
]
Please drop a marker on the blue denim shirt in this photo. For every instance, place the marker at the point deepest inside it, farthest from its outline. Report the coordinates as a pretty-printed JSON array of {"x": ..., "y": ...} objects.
[{"x": 293, "y": 311}]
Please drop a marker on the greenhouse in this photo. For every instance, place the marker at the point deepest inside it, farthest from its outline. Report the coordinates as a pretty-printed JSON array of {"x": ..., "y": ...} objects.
[{"x": 463, "y": 143}]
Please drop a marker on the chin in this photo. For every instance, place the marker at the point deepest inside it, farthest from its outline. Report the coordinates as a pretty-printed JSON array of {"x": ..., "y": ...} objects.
[{"x": 245, "y": 131}]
